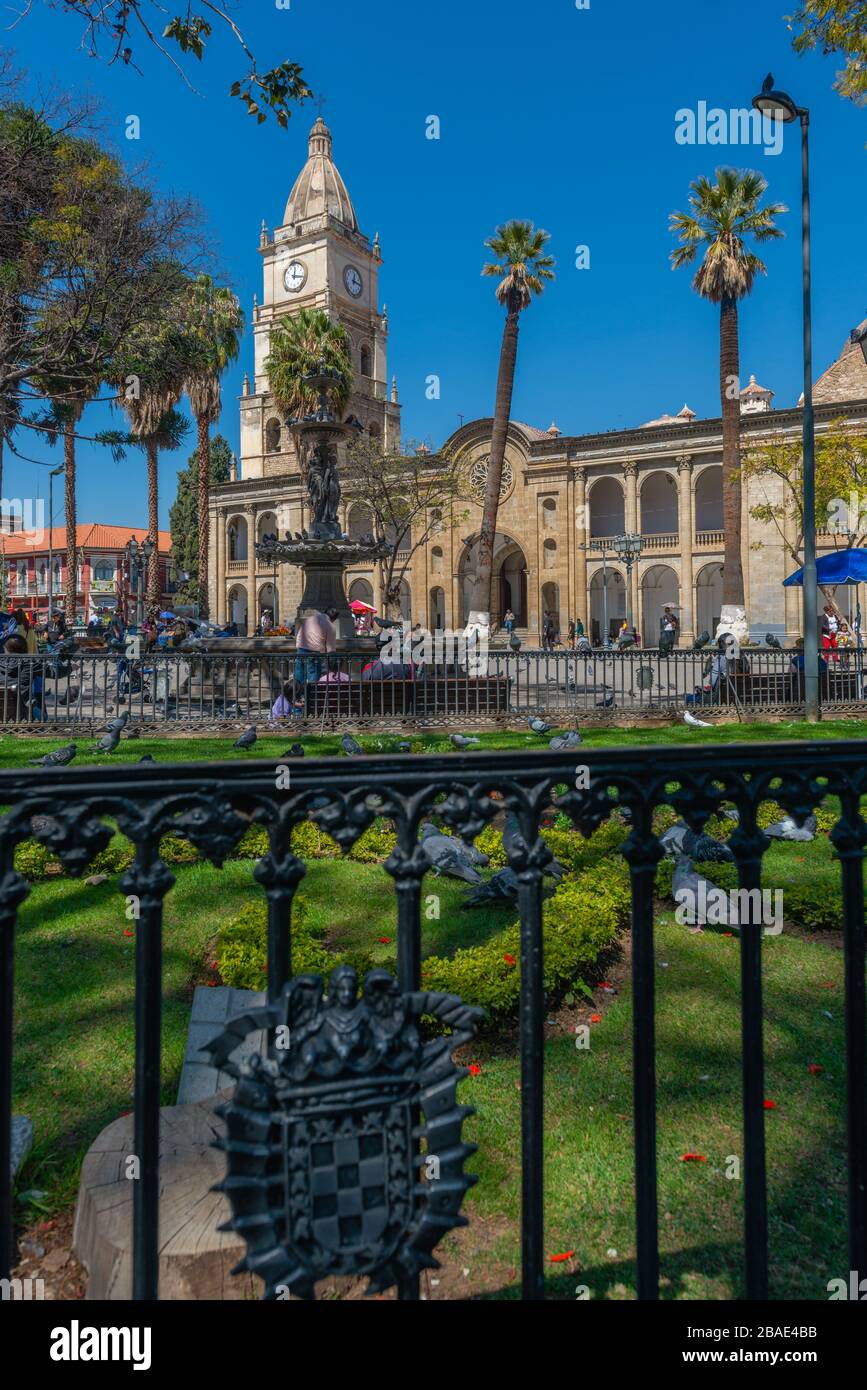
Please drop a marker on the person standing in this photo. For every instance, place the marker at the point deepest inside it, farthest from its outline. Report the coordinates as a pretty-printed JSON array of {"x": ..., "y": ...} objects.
[
  {"x": 509, "y": 621},
  {"x": 668, "y": 626},
  {"x": 317, "y": 636}
]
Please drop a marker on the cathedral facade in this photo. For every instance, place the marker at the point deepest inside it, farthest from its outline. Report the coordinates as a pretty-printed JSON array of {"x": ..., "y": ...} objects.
[{"x": 563, "y": 498}]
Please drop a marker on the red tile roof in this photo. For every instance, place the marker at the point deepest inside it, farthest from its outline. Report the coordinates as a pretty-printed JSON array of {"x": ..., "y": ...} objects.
[{"x": 90, "y": 535}]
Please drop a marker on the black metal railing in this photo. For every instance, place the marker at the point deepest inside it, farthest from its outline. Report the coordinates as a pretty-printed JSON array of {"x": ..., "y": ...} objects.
[
  {"x": 73, "y": 811},
  {"x": 195, "y": 688}
]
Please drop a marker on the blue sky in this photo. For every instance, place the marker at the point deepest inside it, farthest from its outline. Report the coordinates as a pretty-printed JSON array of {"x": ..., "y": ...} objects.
[{"x": 560, "y": 115}]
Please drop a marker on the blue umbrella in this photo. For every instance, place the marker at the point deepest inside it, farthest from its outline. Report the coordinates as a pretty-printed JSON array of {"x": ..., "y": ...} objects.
[
  {"x": 167, "y": 615},
  {"x": 840, "y": 567}
]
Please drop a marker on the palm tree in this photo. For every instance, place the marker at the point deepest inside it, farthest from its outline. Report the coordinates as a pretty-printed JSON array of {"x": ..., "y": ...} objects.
[
  {"x": 150, "y": 377},
  {"x": 298, "y": 344},
  {"x": 723, "y": 217},
  {"x": 214, "y": 325},
  {"x": 522, "y": 268}
]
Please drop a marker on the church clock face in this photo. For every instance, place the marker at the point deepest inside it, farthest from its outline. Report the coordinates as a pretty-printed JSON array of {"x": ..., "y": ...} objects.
[
  {"x": 352, "y": 280},
  {"x": 294, "y": 276}
]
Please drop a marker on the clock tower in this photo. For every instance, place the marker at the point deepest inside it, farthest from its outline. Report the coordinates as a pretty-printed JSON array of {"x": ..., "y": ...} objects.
[{"x": 318, "y": 258}]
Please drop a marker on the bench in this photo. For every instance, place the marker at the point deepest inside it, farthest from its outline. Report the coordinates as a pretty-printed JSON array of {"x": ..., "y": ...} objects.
[{"x": 384, "y": 698}]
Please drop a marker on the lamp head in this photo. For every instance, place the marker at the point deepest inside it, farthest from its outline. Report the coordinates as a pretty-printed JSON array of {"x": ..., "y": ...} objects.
[{"x": 777, "y": 106}]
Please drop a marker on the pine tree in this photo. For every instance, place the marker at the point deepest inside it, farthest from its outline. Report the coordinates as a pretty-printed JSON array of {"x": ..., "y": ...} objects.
[{"x": 184, "y": 512}]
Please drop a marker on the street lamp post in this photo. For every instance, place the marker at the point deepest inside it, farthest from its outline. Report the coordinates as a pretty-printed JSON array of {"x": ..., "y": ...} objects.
[
  {"x": 137, "y": 559},
  {"x": 628, "y": 549},
  {"x": 55, "y": 473},
  {"x": 779, "y": 106},
  {"x": 602, "y": 547}
]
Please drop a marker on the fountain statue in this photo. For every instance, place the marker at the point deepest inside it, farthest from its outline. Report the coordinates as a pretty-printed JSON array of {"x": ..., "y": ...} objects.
[{"x": 323, "y": 552}]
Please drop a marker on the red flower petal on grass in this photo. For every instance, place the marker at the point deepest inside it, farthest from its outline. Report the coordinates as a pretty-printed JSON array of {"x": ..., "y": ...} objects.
[
  {"x": 384, "y": 940},
  {"x": 828, "y": 984},
  {"x": 728, "y": 933},
  {"x": 47, "y": 1225},
  {"x": 128, "y": 933},
  {"x": 595, "y": 1018},
  {"x": 510, "y": 960},
  {"x": 815, "y": 1068},
  {"x": 474, "y": 1069},
  {"x": 558, "y": 1259},
  {"x": 769, "y": 1104},
  {"x": 693, "y": 1158}
]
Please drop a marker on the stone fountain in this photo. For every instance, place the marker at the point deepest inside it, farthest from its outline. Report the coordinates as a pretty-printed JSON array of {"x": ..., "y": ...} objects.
[{"x": 324, "y": 552}]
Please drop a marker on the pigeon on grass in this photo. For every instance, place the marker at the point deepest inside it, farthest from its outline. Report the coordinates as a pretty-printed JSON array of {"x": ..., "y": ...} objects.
[
  {"x": 538, "y": 726},
  {"x": 351, "y": 747},
  {"x": 788, "y": 829},
  {"x": 108, "y": 742},
  {"x": 462, "y": 741},
  {"x": 694, "y": 723},
  {"x": 59, "y": 758},
  {"x": 247, "y": 739},
  {"x": 564, "y": 743},
  {"x": 296, "y": 750},
  {"x": 448, "y": 855}
]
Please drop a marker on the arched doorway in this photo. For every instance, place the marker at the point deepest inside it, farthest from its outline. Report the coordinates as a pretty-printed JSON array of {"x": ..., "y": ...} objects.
[
  {"x": 658, "y": 505},
  {"x": 708, "y": 598},
  {"x": 659, "y": 589},
  {"x": 606, "y": 508},
  {"x": 236, "y": 535},
  {"x": 437, "y": 614},
  {"x": 616, "y": 604},
  {"x": 361, "y": 590},
  {"x": 405, "y": 600},
  {"x": 267, "y": 602},
  {"x": 508, "y": 580},
  {"x": 550, "y": 604},
  {"x": 708, "y": 501},
  {"x": 359, "y": 521},
  {"x": 237, "y": 608}
]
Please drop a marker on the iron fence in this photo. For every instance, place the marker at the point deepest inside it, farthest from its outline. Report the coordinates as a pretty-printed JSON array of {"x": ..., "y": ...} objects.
[
  {"x": 180, "y": 687},
  {"x": 74, "y": 810}
]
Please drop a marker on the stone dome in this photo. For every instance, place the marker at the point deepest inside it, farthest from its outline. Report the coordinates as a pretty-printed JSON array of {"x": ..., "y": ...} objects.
[{"x": 319, "y": 189}]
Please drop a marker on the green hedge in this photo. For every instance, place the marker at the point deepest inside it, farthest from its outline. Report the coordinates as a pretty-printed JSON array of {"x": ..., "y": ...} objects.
[{"x": 580, "y": 920}]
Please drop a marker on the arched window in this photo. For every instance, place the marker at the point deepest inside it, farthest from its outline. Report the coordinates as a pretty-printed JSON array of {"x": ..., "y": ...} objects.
[
  {"x": 272, "y": 437},
  {"x": 549, "y": 514},
  {"x": 436, "y": 559},
  {"x": 549, "y": 554},
  {"x": 365, "y": 360}
]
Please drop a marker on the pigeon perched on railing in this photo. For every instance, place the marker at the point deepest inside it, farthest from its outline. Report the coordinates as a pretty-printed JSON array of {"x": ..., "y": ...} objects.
[
  {"x": 502, "y": 887},
  {"x": 787, "y": 829},
  {"x": 295, "y": 751},
  {"x": 564, "y": 743},
  {"x": 448, "y": 855},
  {"x": 107, "y": 743},
  {"x": 462, "y": 741},
  {"x": 514, "y": 642},
  {"x": 59, "y": 758},
  {"x": 773, "y": 641},
  {"x": 538, "y": 725},
  {"x": 701, "y": 641},
  {"x": 351, "y": 747},
  {"x": 247, "y": 739}
]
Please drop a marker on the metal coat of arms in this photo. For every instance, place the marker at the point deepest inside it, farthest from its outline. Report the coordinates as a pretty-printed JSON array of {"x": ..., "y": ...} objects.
[{"x": 324, "y": 1173}]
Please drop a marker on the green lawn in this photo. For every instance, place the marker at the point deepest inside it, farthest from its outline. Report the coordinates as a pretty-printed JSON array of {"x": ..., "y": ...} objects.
[{"x": 74, "y": 1055}]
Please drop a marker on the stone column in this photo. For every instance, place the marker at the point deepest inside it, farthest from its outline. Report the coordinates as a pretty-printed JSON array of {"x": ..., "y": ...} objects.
[
  {"x": 250, "y": 518},
  {"x": 219, "y": 601},
  {"x": 582, "y": 597},
  {"x": 686, "y": 541},
  {"x": 630, "y": 478}
]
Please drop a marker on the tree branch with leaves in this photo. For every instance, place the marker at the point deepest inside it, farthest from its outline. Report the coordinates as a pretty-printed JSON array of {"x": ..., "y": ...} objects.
[{"x": 410, "y": 495}]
